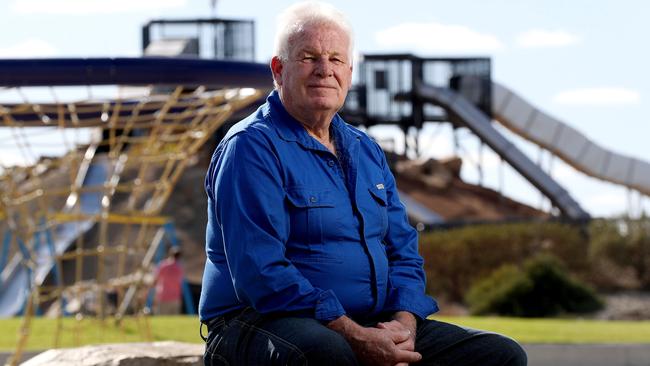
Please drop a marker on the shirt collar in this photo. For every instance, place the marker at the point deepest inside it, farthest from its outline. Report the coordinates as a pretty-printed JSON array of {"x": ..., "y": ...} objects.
[{"x": 290, "y": 129}]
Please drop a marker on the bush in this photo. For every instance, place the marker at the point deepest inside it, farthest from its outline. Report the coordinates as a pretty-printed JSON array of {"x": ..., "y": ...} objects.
[
  {"x": 455, "y": 259},
  {"x": 493, "y": 294},
  {"x": 542, "y": 288},
  {"x": 620, "y": 253}
]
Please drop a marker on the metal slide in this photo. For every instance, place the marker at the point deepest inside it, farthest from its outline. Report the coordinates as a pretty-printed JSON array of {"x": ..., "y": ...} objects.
[
  {"x": 574, "y": 148},
  {"x": 464, "y": 112},
  {"x": 17, "y": 278},
  {"x": 418, "y": 211},
  {"x": 15, "y": 289}
]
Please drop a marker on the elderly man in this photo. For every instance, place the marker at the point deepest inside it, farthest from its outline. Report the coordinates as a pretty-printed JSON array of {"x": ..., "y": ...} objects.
[{"x": 311, "y": 260}]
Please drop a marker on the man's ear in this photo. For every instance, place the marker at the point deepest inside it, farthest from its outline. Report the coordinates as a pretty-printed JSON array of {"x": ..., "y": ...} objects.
[{"x": 276, "y": 69}]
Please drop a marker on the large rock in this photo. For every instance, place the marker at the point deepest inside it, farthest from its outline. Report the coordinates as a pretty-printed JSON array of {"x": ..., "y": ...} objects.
[{"x": 126, "y": 354}]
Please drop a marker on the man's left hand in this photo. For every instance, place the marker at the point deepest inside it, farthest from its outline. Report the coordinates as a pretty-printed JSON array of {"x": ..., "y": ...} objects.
[{"x": 402, "y": 321}]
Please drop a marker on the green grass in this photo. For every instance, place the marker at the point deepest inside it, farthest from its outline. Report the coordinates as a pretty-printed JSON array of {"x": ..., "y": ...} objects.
[
  {"x": 88, "y": 331},
  {"x": 185, "y": 329}
]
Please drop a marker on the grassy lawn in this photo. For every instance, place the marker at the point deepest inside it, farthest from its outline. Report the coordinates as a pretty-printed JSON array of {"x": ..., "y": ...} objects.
[
  {"x": 185, "y": 329},
  {"x": 90, "y": 331}
]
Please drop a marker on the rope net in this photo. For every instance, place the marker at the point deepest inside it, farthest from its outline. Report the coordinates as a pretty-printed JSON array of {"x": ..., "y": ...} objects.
[{"x": 82, "y": 185}]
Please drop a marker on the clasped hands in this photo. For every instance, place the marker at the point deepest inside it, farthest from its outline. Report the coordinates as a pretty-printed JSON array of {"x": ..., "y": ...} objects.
[{"x": 388, "y": 343}]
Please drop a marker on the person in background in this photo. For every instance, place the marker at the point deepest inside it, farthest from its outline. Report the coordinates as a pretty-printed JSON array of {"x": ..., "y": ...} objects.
[
  {"x": 310, "y": 256},
  {"x": 168, "y": 279}
]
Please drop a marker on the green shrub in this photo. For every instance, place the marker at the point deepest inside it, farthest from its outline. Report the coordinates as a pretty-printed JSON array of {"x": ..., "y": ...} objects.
[
  {"x": 493, "y": 294},
  {"x": 542, "y": 288},
  {"x": 620, "y": 253},
  {"x": 455, "y": 259}
]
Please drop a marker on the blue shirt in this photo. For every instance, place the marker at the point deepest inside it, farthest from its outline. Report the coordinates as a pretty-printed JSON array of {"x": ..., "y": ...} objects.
[{"x": 293, "y": 228}]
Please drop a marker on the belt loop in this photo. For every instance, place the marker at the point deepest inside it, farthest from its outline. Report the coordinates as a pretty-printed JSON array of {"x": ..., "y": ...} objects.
[{"x": 205, "y": 339}]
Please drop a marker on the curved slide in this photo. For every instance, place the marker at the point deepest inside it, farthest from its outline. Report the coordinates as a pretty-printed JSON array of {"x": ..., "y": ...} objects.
[
  {"x": 16, "y": 279},
  {"x": 464, "y": 112},
  {"x": 570, "y": 145}
]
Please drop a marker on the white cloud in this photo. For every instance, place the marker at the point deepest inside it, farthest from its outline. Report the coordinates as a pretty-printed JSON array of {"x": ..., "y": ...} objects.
[
  {"x": 607, "y": 199},
  {"x": 29, "y": 48},
  {"x": 435, "y": 146},
  {"x": 83, "y": 7},
  {"x": 427, "y": 37},
  {"x": 564, "y": 171},
  {"x": 488, "y": 160},
  {"x": 537, "y": 38},
  {"x": 9, "y": 157},
  {"x": 605, "y": 204},
  {"x": 598, "y": 96}
]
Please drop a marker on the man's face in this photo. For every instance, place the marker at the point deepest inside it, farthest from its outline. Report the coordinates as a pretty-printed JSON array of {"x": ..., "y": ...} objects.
[{"x": 318, "y": 73}]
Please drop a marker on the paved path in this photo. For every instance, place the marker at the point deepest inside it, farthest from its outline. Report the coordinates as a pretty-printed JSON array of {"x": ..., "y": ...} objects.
[{"x": 588, "y": 355}]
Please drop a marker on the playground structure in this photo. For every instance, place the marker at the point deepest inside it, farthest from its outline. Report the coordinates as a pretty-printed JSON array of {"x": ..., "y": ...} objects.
[
  {"x": 83, "y": 228},
  {"x": 86, "y": 223},
  {"x": 409, "y": 91}
]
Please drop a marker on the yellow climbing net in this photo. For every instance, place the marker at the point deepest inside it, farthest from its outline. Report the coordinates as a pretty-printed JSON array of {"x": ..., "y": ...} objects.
[{"x": 80, "y": 226}]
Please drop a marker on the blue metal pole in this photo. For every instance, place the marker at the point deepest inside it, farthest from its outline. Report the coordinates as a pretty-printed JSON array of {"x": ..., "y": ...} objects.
[
  {"x": 170, "y": 232},
  {"x": 187, "y": 299},
  {"x": 25, "y": 253},
  {"x": 6, "y": 242},
  {"x": 23, "y": 249},
  {"x": 36, "y": 240},
  {"x": 150, "y": 296},
  {"x": 58, "y": 273}
]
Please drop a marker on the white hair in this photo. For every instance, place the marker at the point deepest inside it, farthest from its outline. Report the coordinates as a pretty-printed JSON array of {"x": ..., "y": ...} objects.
[{"x": 293, "y": 20}]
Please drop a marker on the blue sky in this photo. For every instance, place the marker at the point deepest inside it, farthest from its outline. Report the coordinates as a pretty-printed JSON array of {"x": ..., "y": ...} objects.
[{"x": 584, "y": 62}]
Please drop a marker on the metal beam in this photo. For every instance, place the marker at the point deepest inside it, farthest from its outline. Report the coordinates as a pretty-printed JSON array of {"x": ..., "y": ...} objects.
[{"x": 134, "y": 71}]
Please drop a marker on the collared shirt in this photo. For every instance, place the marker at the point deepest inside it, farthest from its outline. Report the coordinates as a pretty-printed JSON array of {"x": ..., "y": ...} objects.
[{"x": 294, "y": 228}]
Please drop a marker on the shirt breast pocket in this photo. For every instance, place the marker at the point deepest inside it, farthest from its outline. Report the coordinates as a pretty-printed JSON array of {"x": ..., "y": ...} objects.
[
  {"x": 312, "y": 214},
  {"x": 380, "y": 213}
]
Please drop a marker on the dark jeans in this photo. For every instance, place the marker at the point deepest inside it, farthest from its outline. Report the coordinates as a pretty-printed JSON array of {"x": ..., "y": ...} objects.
[{"x": 249, "y": 338}]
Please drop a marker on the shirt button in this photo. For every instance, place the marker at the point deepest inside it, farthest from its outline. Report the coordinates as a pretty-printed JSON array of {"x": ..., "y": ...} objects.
[
  {"x": 330, "y": 163},
  {"x": 312, "y": 199}
]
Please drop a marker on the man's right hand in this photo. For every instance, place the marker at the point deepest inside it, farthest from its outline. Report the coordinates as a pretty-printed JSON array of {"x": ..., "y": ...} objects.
[{"x": 374, "y": 346}]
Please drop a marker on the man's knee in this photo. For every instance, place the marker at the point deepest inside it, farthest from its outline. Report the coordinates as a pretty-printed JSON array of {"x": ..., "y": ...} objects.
[
  {"x": 512, "y": 352},
  {"x": 329, "y": 348}
]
